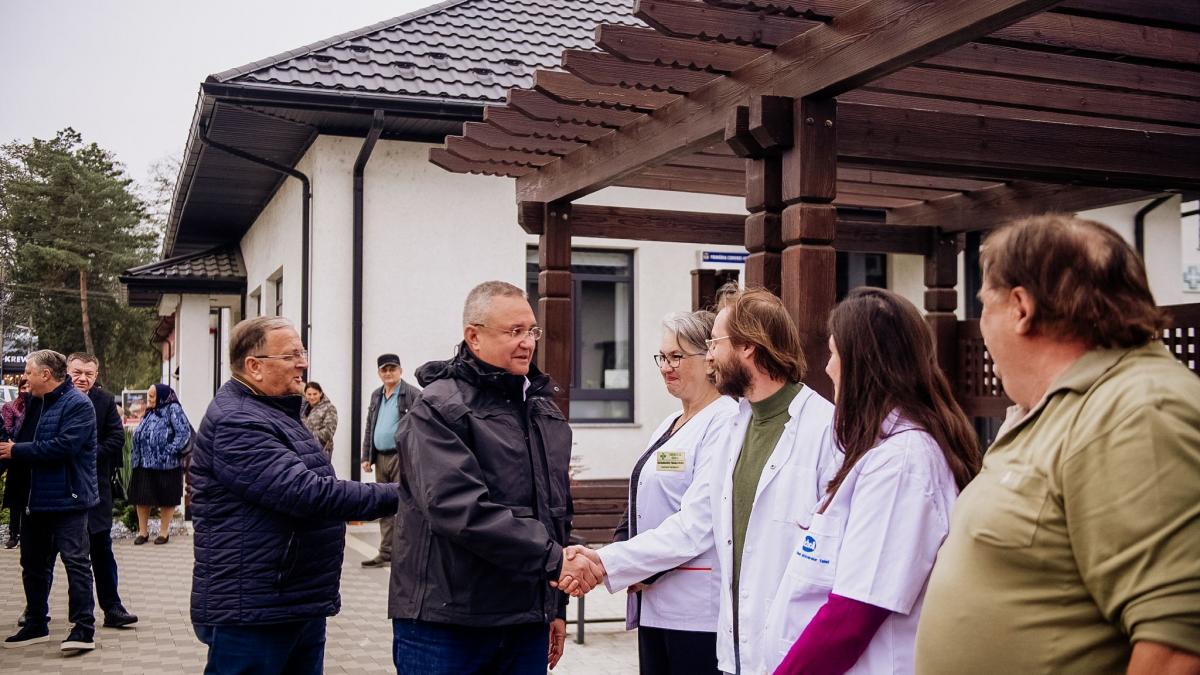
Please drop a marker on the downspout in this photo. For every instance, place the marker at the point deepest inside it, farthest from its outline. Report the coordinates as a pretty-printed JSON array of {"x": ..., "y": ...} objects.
[
  {"x": 356, "y": 345},
  {"x": 305, "y": 222},
  {"x": 1139, "y": 224}
]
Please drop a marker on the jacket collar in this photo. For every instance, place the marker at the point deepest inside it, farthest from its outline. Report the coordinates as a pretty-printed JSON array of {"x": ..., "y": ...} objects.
[
  {"x": 52, "y": 397},
  {"x": 289, "y": 404},
  {"x": 468, "y": 367}
]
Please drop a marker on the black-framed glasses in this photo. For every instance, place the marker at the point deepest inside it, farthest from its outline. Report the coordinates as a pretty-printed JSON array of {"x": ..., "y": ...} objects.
[
  {"x": 301, "y": 355},
  {"x": 518, "y": 334},
  {"x": 672, "y": 360}
]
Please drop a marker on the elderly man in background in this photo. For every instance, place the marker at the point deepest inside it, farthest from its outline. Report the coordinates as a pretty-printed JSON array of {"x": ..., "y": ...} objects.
[
  {"x": 84, "y": 369},
  {"x": 61, "y": 453},
  {"x": 269, "y": 513},
  {"x": 1077, "y": 548},
  {"x": 485, "y": 503},
  {"x": 389, "y": 404}
]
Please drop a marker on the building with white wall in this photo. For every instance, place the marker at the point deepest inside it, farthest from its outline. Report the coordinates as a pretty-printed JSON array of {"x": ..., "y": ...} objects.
[{"x": 306, "y": 192}]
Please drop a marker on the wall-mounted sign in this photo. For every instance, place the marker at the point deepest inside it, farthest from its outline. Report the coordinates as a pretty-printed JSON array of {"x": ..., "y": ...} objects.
[{"x": 723, "y": 257}]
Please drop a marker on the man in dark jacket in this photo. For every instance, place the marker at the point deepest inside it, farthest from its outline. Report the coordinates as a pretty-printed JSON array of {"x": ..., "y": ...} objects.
[
  {"x": 389, "y": 404},
  {"x": 269, "y": 513},
  {"x": 485, "y": 503},
  {"x": 84, "y": 369},
  {"x": 62, "y": 459}
]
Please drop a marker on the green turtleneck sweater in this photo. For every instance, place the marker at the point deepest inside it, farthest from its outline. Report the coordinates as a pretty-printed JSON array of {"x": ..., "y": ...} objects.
[{"x": 766, "y": 426}]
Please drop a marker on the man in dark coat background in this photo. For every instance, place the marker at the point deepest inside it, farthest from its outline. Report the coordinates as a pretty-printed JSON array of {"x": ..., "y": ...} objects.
[
  {"x": 485, "y": 503},
  {"x": 61, "y": 454},
  {"x": 84, "y": 369},
  {"x": 269, "y": 514}
]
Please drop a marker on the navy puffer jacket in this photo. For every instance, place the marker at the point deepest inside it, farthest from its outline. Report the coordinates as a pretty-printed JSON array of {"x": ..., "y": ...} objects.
[
  {"x": 269, "y": 514},
  {"x": 62, "y": 454}
]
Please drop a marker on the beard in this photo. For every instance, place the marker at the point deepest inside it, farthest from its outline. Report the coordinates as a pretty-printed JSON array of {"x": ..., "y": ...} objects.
[{"x": 731, "y": 379}]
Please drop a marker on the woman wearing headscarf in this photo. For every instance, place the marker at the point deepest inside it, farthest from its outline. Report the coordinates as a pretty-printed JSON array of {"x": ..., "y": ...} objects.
[
  {"x": 157, "y": 460},
  {"x": 319, "y": 416},
  {"x": 16, "y": 474}
]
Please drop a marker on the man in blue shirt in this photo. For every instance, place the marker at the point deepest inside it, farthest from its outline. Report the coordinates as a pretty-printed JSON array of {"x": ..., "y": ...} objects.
[{"x": 389, "y": 403}]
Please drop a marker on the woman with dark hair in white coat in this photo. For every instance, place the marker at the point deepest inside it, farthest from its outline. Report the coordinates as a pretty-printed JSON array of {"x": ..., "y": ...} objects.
[{"x": 664, "y": 552}]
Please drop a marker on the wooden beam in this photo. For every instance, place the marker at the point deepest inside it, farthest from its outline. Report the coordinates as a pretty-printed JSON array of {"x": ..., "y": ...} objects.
[
  {"x": 495, "y": 137},
  {"x": 645, "y": 45},
  {"x": 720, "y": 229},
  {"x": 567, "y": 88},
  {"x": 542, "y": 107},
  {"x": 992, "y": 207},
  {"x": 821, "y": 61},
  {"x": 1003, "y": 90},
  {"x": 1013, "y": 148},
  {"x": 686, "y": 18},
  {"x": 474, "y": 152},
  {"x": 941, "y": 300},
  {"x": 456, "y": 164},
  {"x": 606, "y": 69},
  {"x": 515, "y": 122}
]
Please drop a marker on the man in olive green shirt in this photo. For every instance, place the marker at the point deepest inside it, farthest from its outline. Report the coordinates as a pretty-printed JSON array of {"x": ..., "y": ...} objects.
[{"x": 1077, "y": 548}]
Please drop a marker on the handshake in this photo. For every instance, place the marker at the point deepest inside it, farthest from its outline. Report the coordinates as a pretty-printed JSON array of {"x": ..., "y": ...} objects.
[{"x": 582, "y": 570}]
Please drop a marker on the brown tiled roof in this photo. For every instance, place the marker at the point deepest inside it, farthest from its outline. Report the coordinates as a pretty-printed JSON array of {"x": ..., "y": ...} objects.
[
  {"x": 461, "y": 49},
  {"x": 219, "y": 264}
]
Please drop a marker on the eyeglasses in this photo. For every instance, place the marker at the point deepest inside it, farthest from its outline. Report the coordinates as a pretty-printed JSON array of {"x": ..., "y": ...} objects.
[
  {"x": 712, "y": 341},
  {"x": 301, "y": 355},
  {"x": 518, "y": 334},
  {"x": 672, "y": 360}
]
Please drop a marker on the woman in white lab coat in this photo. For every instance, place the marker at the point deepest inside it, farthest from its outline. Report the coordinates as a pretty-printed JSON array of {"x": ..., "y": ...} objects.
[
  {"x": 664, "y": 553},
  {"x": 851, "y": 595}
]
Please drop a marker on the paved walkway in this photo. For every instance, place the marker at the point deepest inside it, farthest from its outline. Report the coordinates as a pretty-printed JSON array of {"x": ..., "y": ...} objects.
[{"x": 156, "y": 582}]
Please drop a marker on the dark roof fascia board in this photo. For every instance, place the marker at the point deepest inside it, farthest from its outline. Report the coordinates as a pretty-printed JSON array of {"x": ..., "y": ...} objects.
[
  {"x": 327, "y": 42},
  {"x": 345, "y": 101},
  {"x": 220, "y": 286}
]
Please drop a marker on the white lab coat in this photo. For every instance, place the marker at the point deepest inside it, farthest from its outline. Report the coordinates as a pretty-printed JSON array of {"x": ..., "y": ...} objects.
[
  {"x": 674, "y": 527},
  {"x": 875, "y": 543},
  {"x": 800, "y": 466}
]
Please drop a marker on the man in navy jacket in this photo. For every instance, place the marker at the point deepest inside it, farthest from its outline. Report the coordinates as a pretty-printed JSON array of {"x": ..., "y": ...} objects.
[
  {"x": 269, "y": 513},
  {"x": 62, "y": 458}
]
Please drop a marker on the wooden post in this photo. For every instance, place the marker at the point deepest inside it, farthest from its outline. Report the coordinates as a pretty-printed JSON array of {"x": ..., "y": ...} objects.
[
  {"x": 941, "y": 300},
  {"x": 763, "y": 184},
  {"x": 809, "y": 265},
  {"x": 554, "y": 301}
]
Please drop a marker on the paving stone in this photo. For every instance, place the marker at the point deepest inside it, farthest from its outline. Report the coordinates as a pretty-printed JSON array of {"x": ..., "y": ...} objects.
[{"x": 156, "y": 584}]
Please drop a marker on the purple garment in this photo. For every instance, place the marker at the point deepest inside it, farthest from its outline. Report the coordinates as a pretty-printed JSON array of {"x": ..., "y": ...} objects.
[{"x": 835, "y": 638}]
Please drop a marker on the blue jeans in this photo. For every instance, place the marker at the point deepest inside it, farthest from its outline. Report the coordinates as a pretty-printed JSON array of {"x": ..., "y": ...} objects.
[
  {"x": 296, "y": 647},
  {"x": 421, "y": 648}
]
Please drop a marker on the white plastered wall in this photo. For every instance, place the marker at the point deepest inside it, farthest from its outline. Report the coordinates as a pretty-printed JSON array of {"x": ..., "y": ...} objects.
[{"x": 1165, "y": 241}]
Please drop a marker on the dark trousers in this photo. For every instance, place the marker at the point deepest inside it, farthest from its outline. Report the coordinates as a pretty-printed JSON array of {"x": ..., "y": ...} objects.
[
  {"x": 295, "y": 648},
  {"x": 104, "y": 568},
  {"x": 421, "y": 648},
  {"x": 15, "y": 515},
  {"x": 664, "y": 651},
  {"x": 42, "y": 535}
]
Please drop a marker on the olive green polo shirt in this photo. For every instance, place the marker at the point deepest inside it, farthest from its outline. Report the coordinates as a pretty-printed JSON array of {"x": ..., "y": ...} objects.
[{"x": 1081, "y": 535}]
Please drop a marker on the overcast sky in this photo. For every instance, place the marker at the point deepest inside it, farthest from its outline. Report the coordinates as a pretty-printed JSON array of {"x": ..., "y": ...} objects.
[{"x": 125, "y": 73}]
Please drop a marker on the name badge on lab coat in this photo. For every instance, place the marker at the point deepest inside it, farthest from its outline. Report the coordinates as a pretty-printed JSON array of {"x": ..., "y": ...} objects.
[{"x": 670, "y": 460}]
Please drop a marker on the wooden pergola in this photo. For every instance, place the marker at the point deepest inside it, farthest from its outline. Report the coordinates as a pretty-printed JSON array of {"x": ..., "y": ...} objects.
[{"x": 889, "y": 126}]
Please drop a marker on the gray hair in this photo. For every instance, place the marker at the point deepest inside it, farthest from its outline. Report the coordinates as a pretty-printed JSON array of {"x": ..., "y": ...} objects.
[
  {"x": 479, "y": 300},
  {"x": 51, "y": 360},
  {"x": 691, "y": 329},
  {"x": 250, "y": 335}
]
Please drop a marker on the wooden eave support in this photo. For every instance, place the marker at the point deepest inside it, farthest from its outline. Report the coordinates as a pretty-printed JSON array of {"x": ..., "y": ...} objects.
[
  {"x": 820, "y": 61},
  {"x": 992, "y": 207},
  {"x": 554, "y": 311}
]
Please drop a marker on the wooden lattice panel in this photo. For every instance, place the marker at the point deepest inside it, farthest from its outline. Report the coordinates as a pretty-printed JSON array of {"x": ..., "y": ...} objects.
[{"x": 1182, "y": 338}]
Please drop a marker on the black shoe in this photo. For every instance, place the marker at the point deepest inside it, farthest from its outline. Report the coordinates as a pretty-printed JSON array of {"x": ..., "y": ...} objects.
[
  {"x": 140, "y": 539},
  {"x": 161, "y": 539},
  {"x": 22, "y": 620},
  {"x": 12, "y": 542},
  {"x": 119, "y": 618},
  {"x": 81, "y": 639},
  {"x": 28, "y": 636},
  {"x": 377, "y": 561}
]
